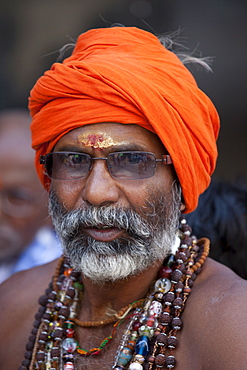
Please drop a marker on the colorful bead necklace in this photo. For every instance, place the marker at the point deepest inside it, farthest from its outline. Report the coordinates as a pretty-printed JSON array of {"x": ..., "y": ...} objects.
[{"x": 149, "y": 339}]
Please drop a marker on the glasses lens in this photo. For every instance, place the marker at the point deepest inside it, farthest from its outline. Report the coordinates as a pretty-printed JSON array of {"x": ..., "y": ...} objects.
[
  {"x": 67, "y": 166},
  {"x": 132, "y": 165}
]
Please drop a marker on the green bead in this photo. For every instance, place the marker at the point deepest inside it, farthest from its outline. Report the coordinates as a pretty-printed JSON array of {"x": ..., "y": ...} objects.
[
  {"x": 146, "y": 330},
  {"x": 78, "y": 285},
  {"x": 69, "y": 325}
]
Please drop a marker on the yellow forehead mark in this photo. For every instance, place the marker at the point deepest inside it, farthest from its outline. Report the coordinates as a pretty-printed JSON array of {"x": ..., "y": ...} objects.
[{"x": 97, "y": 141}]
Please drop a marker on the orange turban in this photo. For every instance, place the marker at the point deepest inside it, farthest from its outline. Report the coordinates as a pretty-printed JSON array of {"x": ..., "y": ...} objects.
[{"x": 125, "y": 75}]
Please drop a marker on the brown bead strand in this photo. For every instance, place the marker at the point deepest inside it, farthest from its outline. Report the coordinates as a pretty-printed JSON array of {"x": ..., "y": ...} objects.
[
  {"x": 60, "y": 302},
  {"x": 204, "y": 254},
  {"x": 35, "y": 349},
  {"x": 57, "y": 272},
  {"x": 121, "y": 314},
  {"x": 194, "y": 262}
]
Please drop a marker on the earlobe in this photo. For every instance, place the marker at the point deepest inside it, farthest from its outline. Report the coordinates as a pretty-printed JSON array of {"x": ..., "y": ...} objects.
[{"x": 182, "y": 207}]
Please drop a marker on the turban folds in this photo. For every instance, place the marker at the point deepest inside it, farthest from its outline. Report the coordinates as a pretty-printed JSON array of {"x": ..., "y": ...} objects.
[{"x": 125, "y": 75}]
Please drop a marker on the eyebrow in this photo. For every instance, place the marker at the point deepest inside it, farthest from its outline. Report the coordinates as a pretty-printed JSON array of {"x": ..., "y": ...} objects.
[
  {"x": 115, "y": 148},
  {"x": 70, "y": 148}
]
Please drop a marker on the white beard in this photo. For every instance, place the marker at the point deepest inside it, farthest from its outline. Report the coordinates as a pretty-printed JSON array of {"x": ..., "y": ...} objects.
[
  {"x": 150, "y": 239},
  {"x": 102, "y": 268}
]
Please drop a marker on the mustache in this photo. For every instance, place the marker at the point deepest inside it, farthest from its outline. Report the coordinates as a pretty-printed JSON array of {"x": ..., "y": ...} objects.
[
  {"x": 149, "y": 234},
  {"x": 100, "y": 218}
]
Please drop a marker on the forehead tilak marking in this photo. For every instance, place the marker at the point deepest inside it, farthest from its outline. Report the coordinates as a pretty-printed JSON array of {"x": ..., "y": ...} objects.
[{"x": 97, "y": 141}]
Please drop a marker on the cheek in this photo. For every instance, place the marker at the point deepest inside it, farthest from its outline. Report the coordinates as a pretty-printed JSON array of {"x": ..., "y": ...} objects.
[
  {"x": 68, "y": 193},
  {"x": 137, "y": 194},
  {"x": 152, "y": 189}
]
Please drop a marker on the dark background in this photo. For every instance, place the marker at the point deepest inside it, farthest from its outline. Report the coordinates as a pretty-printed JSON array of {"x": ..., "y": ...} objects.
[{"x": 31, "y": 32}]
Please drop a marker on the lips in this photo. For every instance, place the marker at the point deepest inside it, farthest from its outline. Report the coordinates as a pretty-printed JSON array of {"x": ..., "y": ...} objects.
[{"x": 104, "y": 234}]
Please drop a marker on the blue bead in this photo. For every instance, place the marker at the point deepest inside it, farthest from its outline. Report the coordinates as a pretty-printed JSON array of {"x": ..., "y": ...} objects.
[
  {"x": 142, "y": 346},
  {"x": 124, "y": 357}
]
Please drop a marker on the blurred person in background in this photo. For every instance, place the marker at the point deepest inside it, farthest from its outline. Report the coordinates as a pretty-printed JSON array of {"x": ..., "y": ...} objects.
[
  {"x": 26, "y": 236},
  {"x": 221, "y": 215}
]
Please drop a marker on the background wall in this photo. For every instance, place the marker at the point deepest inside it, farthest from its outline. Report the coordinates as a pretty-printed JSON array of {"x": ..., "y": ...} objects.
[{"x": 31, "y": 32}]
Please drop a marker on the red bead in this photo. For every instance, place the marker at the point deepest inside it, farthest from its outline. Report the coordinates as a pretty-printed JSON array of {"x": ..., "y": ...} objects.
[
  {"x": 150, "y": 321},
  {"x": 70, "y": 333},
  {"x": 136, "y": 326},
  {"x": 68, "y": 272},
  {"x": 69, "y": 366},
  {"x": 164, "y": 272},
  {"x": 95, "y": 353}
]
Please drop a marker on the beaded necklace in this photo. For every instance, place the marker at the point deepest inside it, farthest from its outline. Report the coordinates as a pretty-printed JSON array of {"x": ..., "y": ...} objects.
[{"x": 149, "y": 340}]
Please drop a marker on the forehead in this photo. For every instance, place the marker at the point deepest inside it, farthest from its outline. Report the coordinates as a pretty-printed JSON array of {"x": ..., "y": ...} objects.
[{"x": 110, "y": 136}]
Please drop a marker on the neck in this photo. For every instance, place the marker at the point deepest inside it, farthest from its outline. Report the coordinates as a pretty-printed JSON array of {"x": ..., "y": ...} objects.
[
  {"x": 159, "y": 313},
  {"x": 99, "y": 298}
]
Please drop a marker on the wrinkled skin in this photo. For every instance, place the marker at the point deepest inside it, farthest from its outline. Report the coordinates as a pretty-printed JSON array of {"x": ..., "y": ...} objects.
[{"x": 214, "y": 330}]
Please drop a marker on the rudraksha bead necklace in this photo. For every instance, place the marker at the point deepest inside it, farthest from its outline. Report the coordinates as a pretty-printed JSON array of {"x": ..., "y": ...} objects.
[{"x": 149, "y": 340}]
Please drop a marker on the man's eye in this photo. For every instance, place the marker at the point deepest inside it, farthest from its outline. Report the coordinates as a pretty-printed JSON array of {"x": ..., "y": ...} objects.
[
  {"x": 75, "y": 158},
  {"x": 72, "y": 159}
]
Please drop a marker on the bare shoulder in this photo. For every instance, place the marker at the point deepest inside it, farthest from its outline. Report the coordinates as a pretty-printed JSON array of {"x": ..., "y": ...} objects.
[
  {"x": 18, "y": 304},
  {"x": 218, "y": 286},
  {"x": 22, "y": 288},
  {"x": 215, "y": 318}
]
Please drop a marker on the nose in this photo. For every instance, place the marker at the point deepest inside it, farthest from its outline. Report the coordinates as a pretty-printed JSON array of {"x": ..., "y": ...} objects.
[{"x": 100, "y": 188}]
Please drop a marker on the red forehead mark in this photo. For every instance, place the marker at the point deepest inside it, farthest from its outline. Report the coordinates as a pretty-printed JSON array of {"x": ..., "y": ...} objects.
[
  {"x": 97, "y": 141},
  {"x": 94, "y": 140}
]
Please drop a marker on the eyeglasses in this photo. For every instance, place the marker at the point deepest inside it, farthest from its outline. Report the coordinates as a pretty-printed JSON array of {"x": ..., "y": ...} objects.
[{"x": 121, "y": 165}]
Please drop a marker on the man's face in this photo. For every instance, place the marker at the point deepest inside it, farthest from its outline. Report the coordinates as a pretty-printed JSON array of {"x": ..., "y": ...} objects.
[
  {"x": 23, "y": 202},
  {"x": 112, "y": 228}
]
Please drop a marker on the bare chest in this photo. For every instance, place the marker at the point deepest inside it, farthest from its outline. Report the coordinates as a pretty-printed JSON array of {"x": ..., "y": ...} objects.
[
  {"x": 186, "y": 357},
  {"x": 96, "y": 339}
]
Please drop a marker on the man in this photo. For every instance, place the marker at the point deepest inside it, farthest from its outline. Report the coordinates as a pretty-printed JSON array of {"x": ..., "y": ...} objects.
[
  {"x": 26, "y": 235},
  {"x": 124, "y": 141}
]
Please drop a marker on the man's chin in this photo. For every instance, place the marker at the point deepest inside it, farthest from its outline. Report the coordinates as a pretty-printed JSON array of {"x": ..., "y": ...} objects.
[{"x": 108, "y": 269}]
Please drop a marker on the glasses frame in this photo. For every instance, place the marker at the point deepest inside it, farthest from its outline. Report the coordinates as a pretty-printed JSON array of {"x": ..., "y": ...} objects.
[{"x": 166, "y": 159}]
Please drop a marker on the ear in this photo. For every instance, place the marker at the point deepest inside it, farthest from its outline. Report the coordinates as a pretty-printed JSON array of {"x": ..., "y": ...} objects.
[{"x": 182, "y": 207}]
